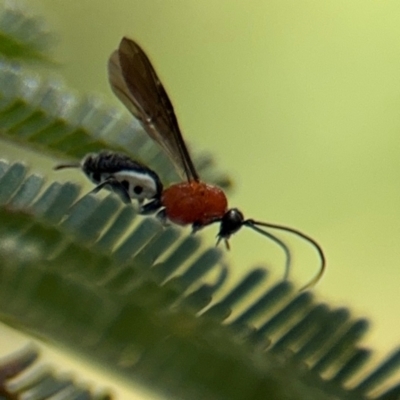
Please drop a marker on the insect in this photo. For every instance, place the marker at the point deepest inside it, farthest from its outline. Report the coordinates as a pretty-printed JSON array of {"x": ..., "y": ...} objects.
[{"x": 190, "y": 202}]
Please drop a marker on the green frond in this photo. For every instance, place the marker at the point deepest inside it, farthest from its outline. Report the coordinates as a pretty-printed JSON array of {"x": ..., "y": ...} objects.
[
  {"x": 46, "y": 117},
  {"x": 23, "y": 38},
  {"x": 21, "y": 377},
  {"x": 148, "y": 302},
  {"x": 138, "y": 298}
]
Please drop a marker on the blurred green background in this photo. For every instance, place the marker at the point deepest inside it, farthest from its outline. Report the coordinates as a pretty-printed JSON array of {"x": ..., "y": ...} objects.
[{"x": 298, "y": 100}]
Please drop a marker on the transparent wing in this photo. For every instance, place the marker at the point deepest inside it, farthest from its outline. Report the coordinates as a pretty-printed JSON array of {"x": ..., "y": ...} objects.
[{"x": 135, "y": 83}]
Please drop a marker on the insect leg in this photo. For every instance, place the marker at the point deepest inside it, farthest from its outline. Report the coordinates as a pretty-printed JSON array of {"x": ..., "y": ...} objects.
[
  {"x": 162, "y": 217},
  {"x": 151, "y": 207},
  {"x": 196, "y": 226},
  {"x": 116, "y": 187}
]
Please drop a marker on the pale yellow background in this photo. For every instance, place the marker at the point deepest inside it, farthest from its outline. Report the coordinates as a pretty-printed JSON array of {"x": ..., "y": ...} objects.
[{"x": 299, "y": 100}]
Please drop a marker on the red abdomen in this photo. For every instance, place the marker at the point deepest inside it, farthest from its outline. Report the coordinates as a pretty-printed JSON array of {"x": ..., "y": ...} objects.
[{"x": 189, "y": 202}]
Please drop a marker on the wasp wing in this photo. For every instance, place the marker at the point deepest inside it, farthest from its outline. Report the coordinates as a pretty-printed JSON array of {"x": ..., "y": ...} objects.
[{"x": 135, "y": 82}]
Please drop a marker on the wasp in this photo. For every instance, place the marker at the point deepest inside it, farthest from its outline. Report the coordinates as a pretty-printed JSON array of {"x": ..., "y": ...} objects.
[{"x": 189, "y": 202}]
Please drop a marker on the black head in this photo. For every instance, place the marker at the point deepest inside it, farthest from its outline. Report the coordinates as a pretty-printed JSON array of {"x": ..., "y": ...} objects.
[{"x": 230, "y": 223}]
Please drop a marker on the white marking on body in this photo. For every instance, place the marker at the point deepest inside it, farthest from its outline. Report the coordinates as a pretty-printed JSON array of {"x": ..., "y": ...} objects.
[{"x": 142, "y": 179}]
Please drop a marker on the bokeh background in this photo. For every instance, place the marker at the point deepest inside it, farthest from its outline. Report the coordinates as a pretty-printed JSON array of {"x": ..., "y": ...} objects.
[{"x": 298, "y": 100}]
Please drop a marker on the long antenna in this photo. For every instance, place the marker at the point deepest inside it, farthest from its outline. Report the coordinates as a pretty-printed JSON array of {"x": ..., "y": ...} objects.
[
  {"x": 277, "y": 241},
  {"x": 254, "y": 225},
  {"x": 62, "y": 166}
]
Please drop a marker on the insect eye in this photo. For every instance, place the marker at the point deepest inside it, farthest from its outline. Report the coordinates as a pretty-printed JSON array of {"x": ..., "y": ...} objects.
[{"x": 138, "y": 189}]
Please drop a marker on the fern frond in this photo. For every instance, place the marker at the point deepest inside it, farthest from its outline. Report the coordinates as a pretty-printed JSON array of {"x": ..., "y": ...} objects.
[
  {"x": 121, "y": 290},
  {"x": 23, "y": 38},
  {"x": 138, "y": 298},
  {"x": 45, "y": 117},
  {"x": 20, "y": 377}
]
